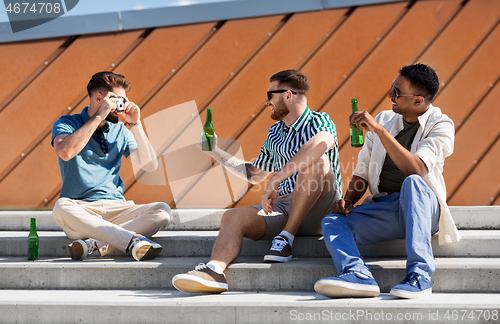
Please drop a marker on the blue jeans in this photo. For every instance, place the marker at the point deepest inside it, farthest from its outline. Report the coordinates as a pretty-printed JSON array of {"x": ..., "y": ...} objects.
[{"x": 412, "y": 213}]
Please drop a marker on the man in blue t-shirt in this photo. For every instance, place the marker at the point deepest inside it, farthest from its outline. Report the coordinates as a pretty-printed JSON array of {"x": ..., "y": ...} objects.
[{"x": 91, "y": 208}]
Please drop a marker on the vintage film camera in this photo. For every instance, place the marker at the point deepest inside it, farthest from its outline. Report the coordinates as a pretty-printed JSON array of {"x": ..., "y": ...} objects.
[{"x": 120, "y": 104}]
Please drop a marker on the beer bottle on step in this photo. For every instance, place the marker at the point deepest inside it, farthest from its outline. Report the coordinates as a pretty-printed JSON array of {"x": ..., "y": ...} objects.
[{"x": 33, "y": 248}]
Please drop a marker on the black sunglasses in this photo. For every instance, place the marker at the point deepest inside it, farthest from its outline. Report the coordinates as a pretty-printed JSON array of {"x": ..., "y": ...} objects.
[
  {"x": 396, "y": 93},
  {"x": 102, "y": 141},
  {"x": 270, "y": 93}
]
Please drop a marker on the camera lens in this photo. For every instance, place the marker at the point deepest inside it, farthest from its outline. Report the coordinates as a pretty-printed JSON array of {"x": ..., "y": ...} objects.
[{"x": 120, "y": 104}]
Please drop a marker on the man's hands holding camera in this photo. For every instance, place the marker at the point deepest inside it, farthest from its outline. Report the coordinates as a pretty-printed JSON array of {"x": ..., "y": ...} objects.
[{"x": 119, "y": 105}]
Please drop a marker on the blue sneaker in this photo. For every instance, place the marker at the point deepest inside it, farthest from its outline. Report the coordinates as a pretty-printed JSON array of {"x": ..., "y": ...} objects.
[
  {"x": 347, "y": 285},
  {"x": 414, "y": 285}
]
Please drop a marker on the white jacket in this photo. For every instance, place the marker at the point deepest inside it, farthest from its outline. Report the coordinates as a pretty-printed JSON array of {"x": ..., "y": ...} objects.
[{"x": 432, "y": 144}]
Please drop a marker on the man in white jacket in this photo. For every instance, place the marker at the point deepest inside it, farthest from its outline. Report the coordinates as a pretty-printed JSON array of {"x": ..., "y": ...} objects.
[{"x": 401, "y": 163}]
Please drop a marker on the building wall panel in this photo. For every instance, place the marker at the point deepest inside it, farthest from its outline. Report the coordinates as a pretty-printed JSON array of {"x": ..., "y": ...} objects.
[
  {"x": 35, "y": 181},
  {"x": 228, "y": 69},
  {"x": 458, "y": 40},
  {"x": 473, "y": 81},
  {"x": 371, "y": 81},
  {"x": 483, "y": 185},
  {"x": 156, "y": 57},
  {"x": 46, "y": 98},
  {"x": 473, "y": 141},
  {"x": 212, "y": 65},
  {"x": 460, "y": 99},
  {"x": 348, "y": 47},
  {"x": 141, "y": 193},
  {"x": 20, "y": 60},
  {"x": 496, "y": 203},
  {"x": 455, "y": 49}
]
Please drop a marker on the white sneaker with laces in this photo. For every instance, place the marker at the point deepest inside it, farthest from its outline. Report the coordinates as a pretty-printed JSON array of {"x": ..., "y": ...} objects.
[
  {"x": 80, "y": 249},
  {"x": 144, "y": 249},
  {"x": 203, "y": 279},
  {"x": 280, "y": 251}
]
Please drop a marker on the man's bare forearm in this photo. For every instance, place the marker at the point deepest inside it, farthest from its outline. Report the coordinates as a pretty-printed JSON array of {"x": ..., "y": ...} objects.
[
  {"x": 72, "y": 144},
  {"x": 239, "y": 168},
  {"x": 356, "y": 190},
  {"x": 144, "y": 157}
]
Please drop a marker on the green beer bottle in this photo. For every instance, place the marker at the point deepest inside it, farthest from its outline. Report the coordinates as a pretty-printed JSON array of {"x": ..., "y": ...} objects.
[
  {"x": 356, "y": 133},
  {"x": 33, "y": 248},
  {"x": 208, "y": 132}
]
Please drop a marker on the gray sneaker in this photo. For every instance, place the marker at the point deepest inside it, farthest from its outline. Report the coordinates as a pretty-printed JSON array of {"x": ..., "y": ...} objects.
[{"x": 80, "y": 249}]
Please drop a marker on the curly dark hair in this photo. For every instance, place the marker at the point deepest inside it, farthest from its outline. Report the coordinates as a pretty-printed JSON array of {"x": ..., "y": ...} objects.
[{"x": 422, "y": 78}]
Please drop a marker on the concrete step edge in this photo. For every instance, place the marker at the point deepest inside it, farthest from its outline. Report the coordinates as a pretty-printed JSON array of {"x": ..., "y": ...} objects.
[
  {"x": 196, "y": 234},
  {"x": 170, "y": 306},
  {"x": 245, "y": 274},
  {"x": 474, "y": 243},
  {"x": 466, "y": 217},
  {"x": 184, "y": 219}
]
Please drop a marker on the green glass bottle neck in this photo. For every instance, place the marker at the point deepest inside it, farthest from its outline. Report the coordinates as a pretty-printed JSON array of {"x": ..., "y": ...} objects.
[
  {"x": 354, "y": 105},
  {"x": 209, "y": 116},
  {"x": 33, "y": 226}
]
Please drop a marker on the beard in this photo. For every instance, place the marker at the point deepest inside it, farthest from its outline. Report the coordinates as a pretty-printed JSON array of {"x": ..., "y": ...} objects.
[
  {"x": 280, "y": 110},
  {"x": 111, "y": 118}
]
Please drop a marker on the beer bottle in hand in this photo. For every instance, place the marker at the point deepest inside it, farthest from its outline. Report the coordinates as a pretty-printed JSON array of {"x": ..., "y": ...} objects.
[
  {"x": 356, "y": 133},
  {"x": 208, "y": 133}
]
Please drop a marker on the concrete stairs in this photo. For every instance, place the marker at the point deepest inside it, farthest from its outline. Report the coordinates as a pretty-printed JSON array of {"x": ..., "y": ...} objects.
[{"x": 118, "y": 289}]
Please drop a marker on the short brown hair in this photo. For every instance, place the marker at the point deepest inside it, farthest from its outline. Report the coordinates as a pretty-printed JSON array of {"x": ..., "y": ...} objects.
[
  {"x": 107, "y": 80},
  {"x": 292, "y": 79}
]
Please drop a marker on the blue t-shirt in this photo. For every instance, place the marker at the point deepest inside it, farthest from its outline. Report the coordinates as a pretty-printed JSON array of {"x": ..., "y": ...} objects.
[{"x": 92, "y": 174}]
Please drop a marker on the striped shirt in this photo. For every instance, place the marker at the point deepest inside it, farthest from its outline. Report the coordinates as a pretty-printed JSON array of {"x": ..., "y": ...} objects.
[{"x": 283, "y": 142}]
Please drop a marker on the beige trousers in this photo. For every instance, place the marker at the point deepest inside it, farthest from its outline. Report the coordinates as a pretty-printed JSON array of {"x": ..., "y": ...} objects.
[{"x": 112, "y": 223}]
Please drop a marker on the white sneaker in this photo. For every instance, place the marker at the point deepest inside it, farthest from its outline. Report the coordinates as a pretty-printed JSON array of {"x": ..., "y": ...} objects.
[
  {"x": 201, "y": 280},
  {"x": 144, "y": 249},
  {"x": 80, "y": 249}
]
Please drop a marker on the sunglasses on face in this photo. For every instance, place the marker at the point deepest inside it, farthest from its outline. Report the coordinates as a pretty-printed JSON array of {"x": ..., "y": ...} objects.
[
  {"x": 102, "y": 141},
  {"x": 270, "y": 93},
  {"x": 397, "y": 94}
]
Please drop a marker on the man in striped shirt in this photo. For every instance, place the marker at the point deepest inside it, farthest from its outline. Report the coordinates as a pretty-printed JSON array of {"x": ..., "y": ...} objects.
[{"x": 302, "y": 150}]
